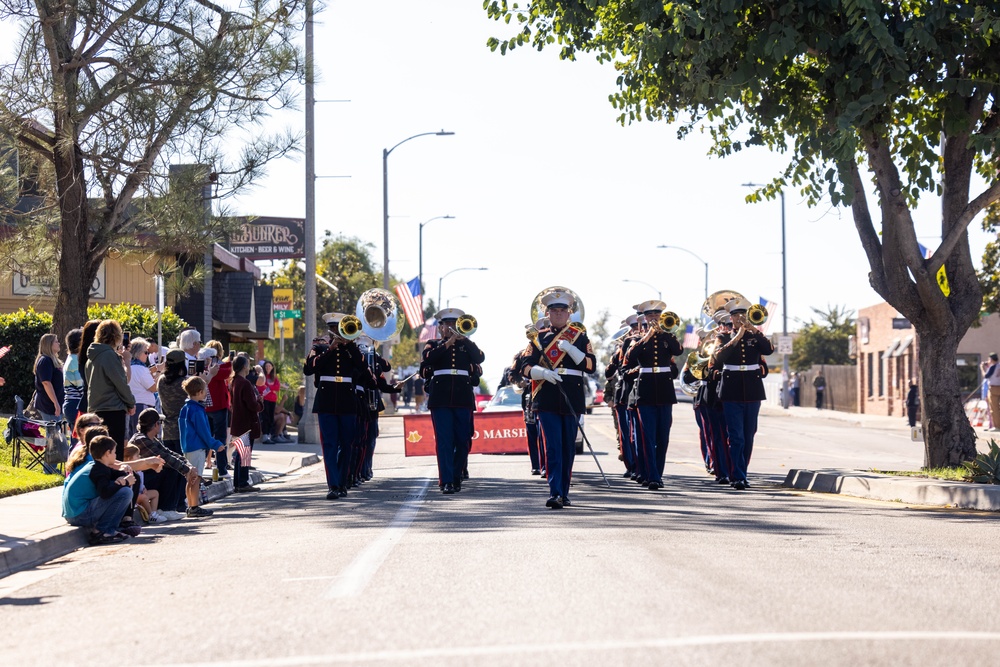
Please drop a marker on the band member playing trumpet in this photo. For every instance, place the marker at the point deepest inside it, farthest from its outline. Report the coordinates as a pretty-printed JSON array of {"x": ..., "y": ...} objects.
[
  {"x": 561, "y": 356},
  {"x": 651, "y": 358},
  {"x": 622, "y": 388},
  {"x": 449, "y": 362},
  {"x": 334, "y": 364},
  {"x": 740, "y": 362}
]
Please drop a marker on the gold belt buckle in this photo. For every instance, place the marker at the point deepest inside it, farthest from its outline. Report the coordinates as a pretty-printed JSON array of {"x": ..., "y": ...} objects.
[{"x": 338, "y": 378}]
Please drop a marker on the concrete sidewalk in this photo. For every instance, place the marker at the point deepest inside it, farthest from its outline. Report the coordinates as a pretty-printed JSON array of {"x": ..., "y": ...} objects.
[
  {"x": 863, "y": 420},
  {"x": 907, "y": 490},
  {"x": 32, "y": 529}
]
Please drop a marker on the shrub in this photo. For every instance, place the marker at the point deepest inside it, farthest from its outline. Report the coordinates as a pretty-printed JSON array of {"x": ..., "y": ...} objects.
[
  {"x": 985, "y": 468},
  {"x": 22, "y": 329}
]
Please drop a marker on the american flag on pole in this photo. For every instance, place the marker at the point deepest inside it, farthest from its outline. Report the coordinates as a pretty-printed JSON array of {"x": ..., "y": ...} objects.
[
  {"x": 241, "y": 446},
  {"x": 413, "y": 301},
  {"x": 773, "y": 314}
]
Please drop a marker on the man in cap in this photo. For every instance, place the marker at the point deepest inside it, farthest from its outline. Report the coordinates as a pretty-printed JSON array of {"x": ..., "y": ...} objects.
[
  {"x": 372, "y": 404},
  {"x": 739, "y": 360},
  {"x": 561, "y": 356},
  {"x": 622, "y": 388},
  {"x": 651, "y": 359},
  {"x": 449, "y": 362},
  {"x": 334, "y": 366}
]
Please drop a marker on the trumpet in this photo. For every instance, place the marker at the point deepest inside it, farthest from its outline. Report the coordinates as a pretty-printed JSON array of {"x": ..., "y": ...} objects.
[
  {"x": 466, "y": 325},
  {"x": 757, "y": 315},
  {"x": 668, "y": 320},
  {"x": 349, "y": 327}
]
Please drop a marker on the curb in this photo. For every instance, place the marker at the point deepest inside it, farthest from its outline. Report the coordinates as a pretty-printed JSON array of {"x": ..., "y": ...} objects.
[
  {"x": 59, "y": 541},
  {"x": 913, "y": 491}
]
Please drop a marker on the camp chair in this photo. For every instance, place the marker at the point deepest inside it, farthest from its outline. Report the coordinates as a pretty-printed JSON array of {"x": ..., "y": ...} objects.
[{"x": 28, "y": 437}]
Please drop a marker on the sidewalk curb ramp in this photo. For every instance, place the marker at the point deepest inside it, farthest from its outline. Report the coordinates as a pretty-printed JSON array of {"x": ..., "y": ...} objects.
[
  {"x": 908, "y": 490},
  {"x": 59, "y": 541}
]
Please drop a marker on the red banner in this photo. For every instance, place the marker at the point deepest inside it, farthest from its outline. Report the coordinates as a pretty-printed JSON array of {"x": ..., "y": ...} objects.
[{"x": 494, "y": 433}]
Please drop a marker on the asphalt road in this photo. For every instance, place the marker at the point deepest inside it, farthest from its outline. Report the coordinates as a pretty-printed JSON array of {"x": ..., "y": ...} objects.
[{"x": 399, "y": 574}]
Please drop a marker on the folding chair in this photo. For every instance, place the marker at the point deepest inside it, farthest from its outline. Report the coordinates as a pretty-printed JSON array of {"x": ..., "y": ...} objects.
[{"x": 27, "y": 438}]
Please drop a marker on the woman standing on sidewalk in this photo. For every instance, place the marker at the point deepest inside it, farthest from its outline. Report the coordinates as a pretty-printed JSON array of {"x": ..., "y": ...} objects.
[
  {"x": 247, "y": 404},
  {"x": 49, "y": 379},
  {"x": 107, "y": 372}
]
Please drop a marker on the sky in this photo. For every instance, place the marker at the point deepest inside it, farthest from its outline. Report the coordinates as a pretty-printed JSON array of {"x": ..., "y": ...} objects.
[{"x": 545, "y": 186}]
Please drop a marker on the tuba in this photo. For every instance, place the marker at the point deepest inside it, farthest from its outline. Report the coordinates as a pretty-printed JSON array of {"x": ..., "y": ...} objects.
[
  {"x": 716, "y": 301},
  {"x": 466, "y": 325},
  {"x": 538, "y": 308},
  {"x": 379, "y": 314}
]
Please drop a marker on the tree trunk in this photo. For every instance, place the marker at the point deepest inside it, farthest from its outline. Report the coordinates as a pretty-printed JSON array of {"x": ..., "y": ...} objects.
[
  {"x": 949, "y": 439},
  {"x": 77, "y": 268}
]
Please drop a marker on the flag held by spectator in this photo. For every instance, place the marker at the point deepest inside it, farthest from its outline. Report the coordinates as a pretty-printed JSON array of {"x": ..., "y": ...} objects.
[
  {"x": 241, "y": 446},
  {"x": 413, "y": 302}
]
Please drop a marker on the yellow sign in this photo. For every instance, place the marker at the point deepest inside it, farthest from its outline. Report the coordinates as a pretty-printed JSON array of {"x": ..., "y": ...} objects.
[
  {"x": 942, "y": 281},
  {"x": 283, "y": 299}
]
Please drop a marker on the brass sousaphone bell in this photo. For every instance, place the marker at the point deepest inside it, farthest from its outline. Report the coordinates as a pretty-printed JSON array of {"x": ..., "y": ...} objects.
[
  {"x": 576, "y": 311},
  {"x": 379, "y": 314}
]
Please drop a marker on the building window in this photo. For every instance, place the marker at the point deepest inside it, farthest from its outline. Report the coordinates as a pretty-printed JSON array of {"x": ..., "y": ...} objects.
[
  {"x": 881, "y": 378},
  {"x": 871, "y": 376}
]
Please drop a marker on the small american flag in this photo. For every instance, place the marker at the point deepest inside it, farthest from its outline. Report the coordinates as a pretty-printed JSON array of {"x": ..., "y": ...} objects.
[
  {"x": 4, "y": 350},
  {"x": 241, "y": 446},
  {"x": 691, "y": 339},
  {"x": 773, "y": 314},
  {"x": 413, "y": 301},
  {"x": 429, "y": 332}
]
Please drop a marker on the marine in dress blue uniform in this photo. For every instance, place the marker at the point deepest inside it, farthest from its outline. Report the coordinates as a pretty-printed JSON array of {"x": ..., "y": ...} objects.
[
  {"x": 371, "y": 406},
  {"x": 562, "y": 356},
  {"x": 334, "y": 367},
  {"x": 740, "y": 362},
  {"x": 619, "y": 397},
  {"x": 450, "y": 362},
  {"x": 651, "y": 359}
]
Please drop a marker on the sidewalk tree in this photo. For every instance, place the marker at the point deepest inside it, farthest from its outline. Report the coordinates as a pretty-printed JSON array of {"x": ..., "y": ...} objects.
[
  {"x": 824, "y": 342},
  {"x": 898, "y": 96},
  {"x": 101, "y": 97}
]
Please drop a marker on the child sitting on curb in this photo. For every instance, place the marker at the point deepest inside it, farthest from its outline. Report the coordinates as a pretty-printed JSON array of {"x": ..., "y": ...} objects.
[
  {"x": 196, "y": 434},
  {"x": 178, "y": 476},
  {"x": 147, "y": 501},
  {"x": 97, "y": 495}
]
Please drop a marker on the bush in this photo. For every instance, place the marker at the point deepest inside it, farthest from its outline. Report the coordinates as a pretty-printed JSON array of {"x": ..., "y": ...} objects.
[
  {"x": 22, "y": 330},
  {"x": 985, "y": 469}
]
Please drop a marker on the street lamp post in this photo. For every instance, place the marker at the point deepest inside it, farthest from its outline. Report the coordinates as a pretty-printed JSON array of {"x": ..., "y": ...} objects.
[
  {"x": 420, "y": 251},
  {"x": 784, "y": 297},
  {"x": 673, "y": 247},
  {"x": 659, "y": 294},
  {"x": 465, "y": 268},
  {"x": 385, "y": 200}
]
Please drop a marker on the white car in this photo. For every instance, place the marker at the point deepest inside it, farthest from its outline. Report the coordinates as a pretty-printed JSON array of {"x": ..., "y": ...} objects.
[{"x": 508, "y": 399}]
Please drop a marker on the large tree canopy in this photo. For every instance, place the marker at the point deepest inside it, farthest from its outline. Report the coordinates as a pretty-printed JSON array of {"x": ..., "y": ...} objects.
[
  {"x": 855, "y": 92},
  {"x": 104, "y": 95}
]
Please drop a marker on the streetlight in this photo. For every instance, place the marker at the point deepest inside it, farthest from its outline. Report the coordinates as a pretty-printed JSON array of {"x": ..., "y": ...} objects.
[
  {"x": 385, "y": 200},
  {"x": 784, "y": 297},
  {"x": 659, "y": 294},
  {"x": 674, "y": 247},
  {"x": 467, "y": 268},
  {"x": 420, "y": 252}
]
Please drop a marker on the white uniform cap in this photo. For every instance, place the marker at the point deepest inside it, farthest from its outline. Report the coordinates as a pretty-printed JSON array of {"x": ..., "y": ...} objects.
[
  {"x": 449, "y": 314},
  {"x": 333, "y": 318},
  {"x": 557, "y": 298},
  {"x": 652, "y": 305},
  {"x": 737, "y": 305}
]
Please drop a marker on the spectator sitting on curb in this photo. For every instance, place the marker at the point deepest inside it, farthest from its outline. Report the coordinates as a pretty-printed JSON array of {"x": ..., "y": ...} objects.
[
  {"x": 196, "y": 434},
  {"x": 80, "y": 454},
  {"x": 147, "y": 500},
  {"x": 178, "y": 477},
  {"x": 97, "y": 495}
]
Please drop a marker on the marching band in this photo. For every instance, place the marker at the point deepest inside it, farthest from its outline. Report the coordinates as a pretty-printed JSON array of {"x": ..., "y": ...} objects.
[{"x": 723, "y": 375}]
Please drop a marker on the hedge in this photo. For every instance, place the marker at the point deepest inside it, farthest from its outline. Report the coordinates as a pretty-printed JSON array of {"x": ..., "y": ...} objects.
[{"x": 22, "y": 330}]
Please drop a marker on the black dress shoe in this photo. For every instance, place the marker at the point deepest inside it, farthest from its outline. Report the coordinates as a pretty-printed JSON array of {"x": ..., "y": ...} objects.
[
  {"x": 333, "y": 494},
  {"x": 641, "y": 481},
  {"x": 740, "y": 486},
  {"x": 565, "y": 501},
  {"x": 449, "y": 489},
  {"x": 554, "y": 503},
  {"x": 465, "y": 474},
  {"x": 627, "y": 474},
  {"x": 654, "y": 486},
  {"x": 458, "y": 486},
  {"x": 722, "y": 480},
  {"x": 536, "y": 471},
  {"x": 343, "y": 491},
  {"x": 634, "y": 477},
  {"x": 246, "y": 489}
]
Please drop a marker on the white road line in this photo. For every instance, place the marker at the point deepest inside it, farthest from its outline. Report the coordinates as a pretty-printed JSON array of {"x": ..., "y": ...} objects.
[
  {"x": 608, "y": 645},
  {"x": 355, "y": 577}
]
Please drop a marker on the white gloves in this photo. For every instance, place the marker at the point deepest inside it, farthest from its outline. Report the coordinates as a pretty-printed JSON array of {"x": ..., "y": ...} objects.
[
  {"x": 539, "y": 373},
  {"x": 574, "y": 353}
]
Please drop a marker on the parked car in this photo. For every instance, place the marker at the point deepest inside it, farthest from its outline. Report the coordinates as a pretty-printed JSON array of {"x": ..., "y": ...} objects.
[
  {"x": 482, "y": 400},
  {"x": 508, "y": 399}
]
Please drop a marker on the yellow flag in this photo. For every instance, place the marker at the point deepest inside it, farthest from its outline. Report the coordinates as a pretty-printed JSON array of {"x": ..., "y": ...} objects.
[{"x": 942, "y": 281}]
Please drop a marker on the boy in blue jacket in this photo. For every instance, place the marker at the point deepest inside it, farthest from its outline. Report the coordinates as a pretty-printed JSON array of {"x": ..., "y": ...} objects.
[{"x": 196, "y": 434}]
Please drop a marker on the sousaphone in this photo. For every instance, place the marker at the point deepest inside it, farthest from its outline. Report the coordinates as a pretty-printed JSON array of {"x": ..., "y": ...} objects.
[
  {"x": 576, "y": 311},
  {"x": 380, "y": 313}
]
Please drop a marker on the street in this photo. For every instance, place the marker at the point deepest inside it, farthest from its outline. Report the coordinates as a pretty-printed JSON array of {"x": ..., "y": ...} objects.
[{"x": 397, "y": 573}]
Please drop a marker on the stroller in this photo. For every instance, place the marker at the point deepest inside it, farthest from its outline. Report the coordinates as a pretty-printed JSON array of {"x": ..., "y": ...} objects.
[{"x": 44, "y": 445}]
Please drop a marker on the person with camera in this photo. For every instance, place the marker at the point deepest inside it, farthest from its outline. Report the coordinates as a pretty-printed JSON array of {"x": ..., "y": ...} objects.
[
  {"x": 334, "y": 363},
  {"x": 108, "y": 372}
]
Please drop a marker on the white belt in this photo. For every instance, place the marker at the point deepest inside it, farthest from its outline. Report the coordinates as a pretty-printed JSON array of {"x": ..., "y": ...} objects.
[
  {"x": 335, "y": 378},
  {"x": 656, "y": 369},
  {"x": 731, "y": 367},
  {"x": 451, "y": 371},
  {"x": 568, "y": 371}
]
